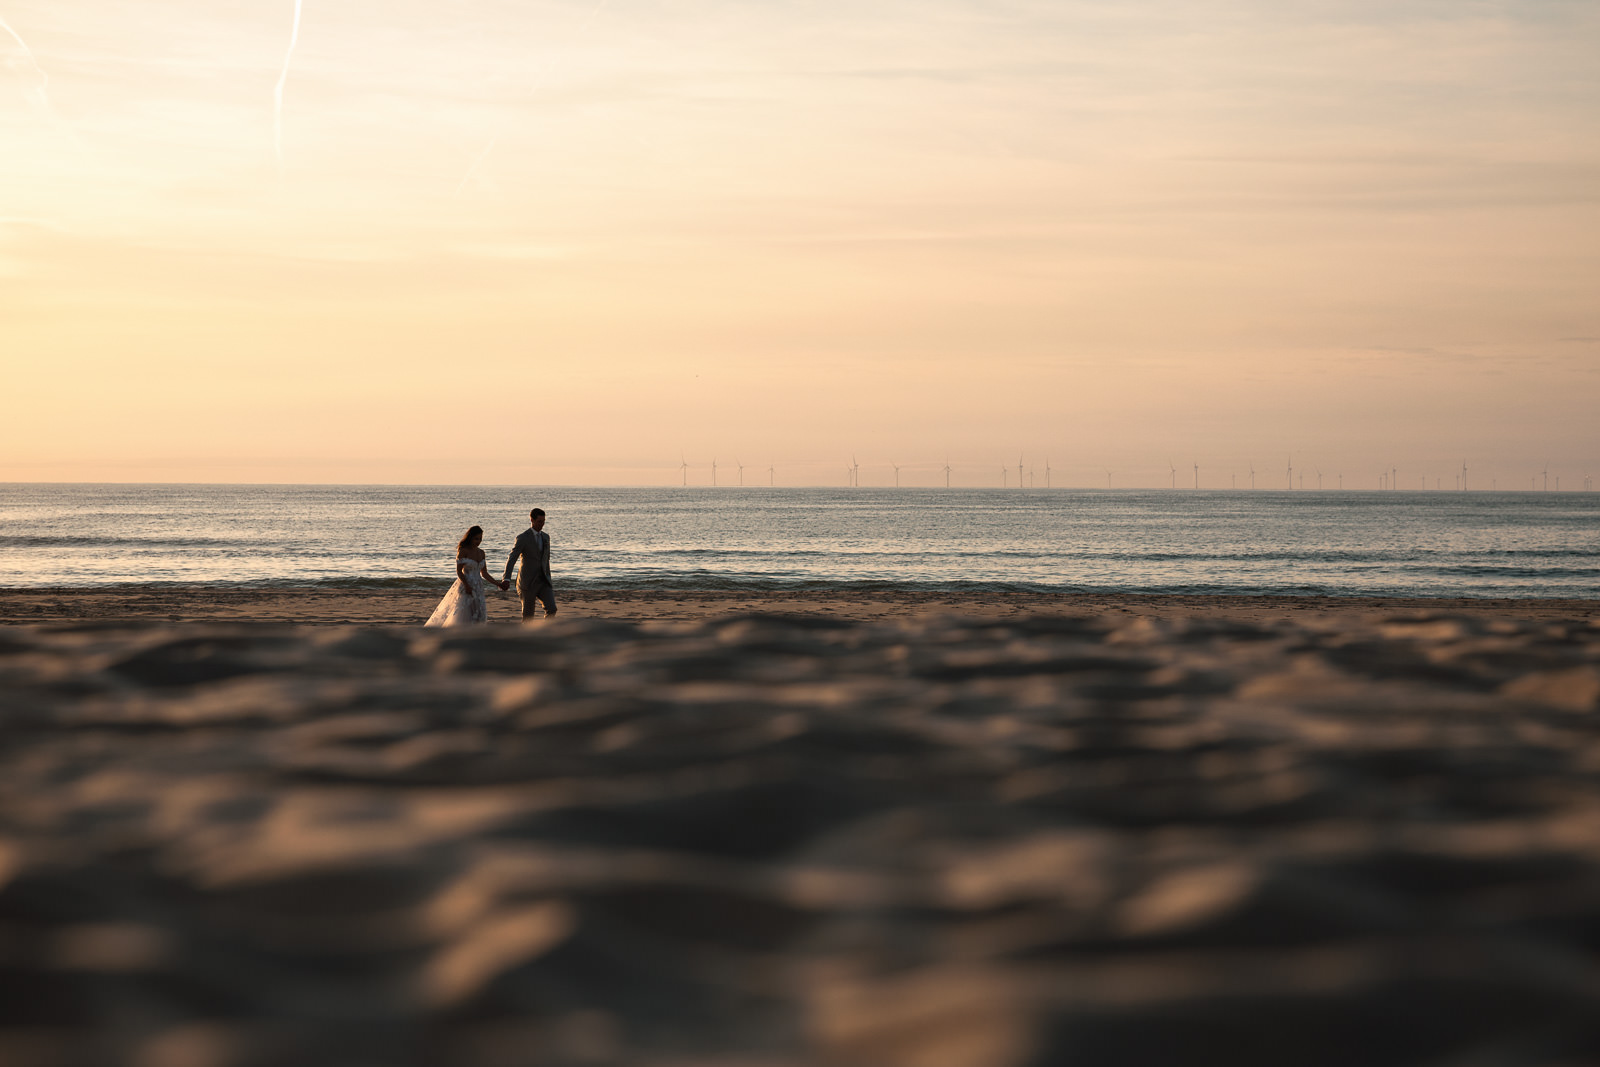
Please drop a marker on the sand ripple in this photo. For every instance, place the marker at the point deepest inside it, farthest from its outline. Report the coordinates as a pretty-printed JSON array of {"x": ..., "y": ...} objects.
[{"x": 784, "y": 842}]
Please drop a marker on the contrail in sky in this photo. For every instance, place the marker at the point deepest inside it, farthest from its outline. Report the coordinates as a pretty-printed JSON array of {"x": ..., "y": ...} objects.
[
  {"x": 277, "y": 94},
  {"x": 595, "y": 9},
  {"x": 475, "y": 164},
  {"x": 39, "y": 96}
]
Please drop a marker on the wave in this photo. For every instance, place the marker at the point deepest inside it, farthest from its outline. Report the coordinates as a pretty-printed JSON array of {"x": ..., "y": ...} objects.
[
  {"x": 70, "y": 542},
  {"x": 955, "y": 588}
]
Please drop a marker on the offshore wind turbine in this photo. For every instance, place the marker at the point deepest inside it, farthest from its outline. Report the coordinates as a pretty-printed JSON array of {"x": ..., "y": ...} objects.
[
  {"x": 713, "y": 470},
  {"x": 1108, "y": 478},
  {"x": 772, "y": 474},
  {"x": 683, "y": 465},
  {"x": 1289, "y": 472},
  {"x": 1047, "y": 472},
  {"x": 1546, "y": 473},
  {"x": 947, "y": 472},
  {"x": 1019, "y": 471},
  {"x": 1197, "y": 475},
  {"x": 1319, "y": 479},
  {"x": 1174, "y": 471},
  {"x": 736, "y": 463},
  {"x": 1252, "y": 474},
  {"x": 1463, "y": 476},
  {"x": 896, "y": 467},
  {"x": 1005, "y": 477}
]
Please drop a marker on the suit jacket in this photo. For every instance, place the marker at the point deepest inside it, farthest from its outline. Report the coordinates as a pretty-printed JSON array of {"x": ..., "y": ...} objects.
[{"x": 533, "y": 546}]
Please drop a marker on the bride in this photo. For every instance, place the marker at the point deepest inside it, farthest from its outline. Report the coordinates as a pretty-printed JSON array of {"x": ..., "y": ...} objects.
[{"x": 466, "y": 603}]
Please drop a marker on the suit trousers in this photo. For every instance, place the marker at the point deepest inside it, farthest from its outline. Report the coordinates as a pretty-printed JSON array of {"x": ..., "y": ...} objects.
[{"x": 534, "y": 590}]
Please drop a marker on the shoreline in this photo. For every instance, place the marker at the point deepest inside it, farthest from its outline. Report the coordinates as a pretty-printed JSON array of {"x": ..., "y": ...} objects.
[{"x": 398, "y": 607}]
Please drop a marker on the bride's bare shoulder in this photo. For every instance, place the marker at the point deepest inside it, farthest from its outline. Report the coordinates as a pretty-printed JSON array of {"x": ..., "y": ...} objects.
[{"x": 477, "y": 554}]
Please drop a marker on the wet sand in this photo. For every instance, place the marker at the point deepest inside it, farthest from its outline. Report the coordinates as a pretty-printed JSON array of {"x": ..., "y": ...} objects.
[
  {"x": 1242, "y": 835},
  {"x": 389, "y": 607}
]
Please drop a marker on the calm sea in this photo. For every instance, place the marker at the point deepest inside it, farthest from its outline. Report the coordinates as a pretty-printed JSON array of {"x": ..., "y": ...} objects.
[{"x": 1338, "y": 543}]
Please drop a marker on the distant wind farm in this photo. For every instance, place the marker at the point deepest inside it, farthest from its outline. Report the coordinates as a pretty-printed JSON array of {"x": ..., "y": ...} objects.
[{"x": 1024, "y": 475}]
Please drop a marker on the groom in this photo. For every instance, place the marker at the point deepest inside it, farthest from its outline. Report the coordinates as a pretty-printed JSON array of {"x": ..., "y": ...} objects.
[{"x": 533, "y": 581}]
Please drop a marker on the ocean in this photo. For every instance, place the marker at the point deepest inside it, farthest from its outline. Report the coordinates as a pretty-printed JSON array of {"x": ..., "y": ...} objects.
[{"x": 1373, "y": 543}]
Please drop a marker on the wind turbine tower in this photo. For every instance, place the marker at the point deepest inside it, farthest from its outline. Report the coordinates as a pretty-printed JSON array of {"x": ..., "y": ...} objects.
[
  {"x": 1019, "y": 471},
  {"x": 736, "y": 463},
  {"x": 1005, "y": 477},
  {"x": 713, "y": 470},
  {"x": 1546, "y": 473},
  {"x": 1463, "y": 476},
  {"x": 772, "y": 475},
  {"x": 896, "y": 467},
  {"x": 1289, "y": 473},
  {"x": 947, "y": 472},
  {"x": 1108, "y": 478},
  {"x": 1319, "y": 479},
  {"x": 1047, "y": 472},
  {"x": 1197, "y": 475},
  {"x": 1252, "y": 474},
  {"x": 1174, "y": 474},
  {"x": 683, "y": 466}
]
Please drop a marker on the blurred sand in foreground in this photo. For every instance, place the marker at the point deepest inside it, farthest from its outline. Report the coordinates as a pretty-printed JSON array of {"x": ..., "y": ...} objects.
[{"x": 1327, "y": 838}]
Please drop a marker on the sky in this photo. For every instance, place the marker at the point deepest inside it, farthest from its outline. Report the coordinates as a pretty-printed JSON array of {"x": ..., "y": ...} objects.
[{"x": 588, "y": 242}]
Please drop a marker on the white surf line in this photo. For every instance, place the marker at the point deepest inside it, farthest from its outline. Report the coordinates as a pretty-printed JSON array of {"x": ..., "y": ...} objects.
[
  {"x": 277, "y": 93},
  {"x": 44, "y": 90}
]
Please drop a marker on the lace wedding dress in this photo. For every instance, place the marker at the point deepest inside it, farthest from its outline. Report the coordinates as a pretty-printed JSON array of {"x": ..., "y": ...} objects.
[{"x": 461, "y": 607}]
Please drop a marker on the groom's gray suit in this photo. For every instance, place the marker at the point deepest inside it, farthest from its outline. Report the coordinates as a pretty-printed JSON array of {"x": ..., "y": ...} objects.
[{"x": 534, "y": 584}]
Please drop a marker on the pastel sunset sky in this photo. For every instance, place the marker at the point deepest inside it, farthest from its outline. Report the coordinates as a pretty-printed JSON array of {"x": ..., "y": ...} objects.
[{"x": 570, "y": 242}]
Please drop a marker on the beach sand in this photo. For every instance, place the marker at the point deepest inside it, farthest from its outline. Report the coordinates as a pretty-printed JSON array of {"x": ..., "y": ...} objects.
[
  {"x": 389, "y": 607},
  {"x": 865, "y": 830}
]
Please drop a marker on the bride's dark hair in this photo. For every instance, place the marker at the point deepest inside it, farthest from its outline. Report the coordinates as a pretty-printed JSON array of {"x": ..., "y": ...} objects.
[{"x": 471, "y": 530}]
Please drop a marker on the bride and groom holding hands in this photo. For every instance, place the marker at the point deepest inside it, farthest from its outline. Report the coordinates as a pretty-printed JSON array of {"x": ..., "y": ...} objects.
[{"x": 467, "y": 602}]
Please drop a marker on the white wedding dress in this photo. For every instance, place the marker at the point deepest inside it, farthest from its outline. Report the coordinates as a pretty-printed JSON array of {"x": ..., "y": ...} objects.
[{"x": 461, "y": 607}]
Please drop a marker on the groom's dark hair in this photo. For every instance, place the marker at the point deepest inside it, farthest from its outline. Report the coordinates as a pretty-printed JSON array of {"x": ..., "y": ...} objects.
[{"x": 536, "y": 513}]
